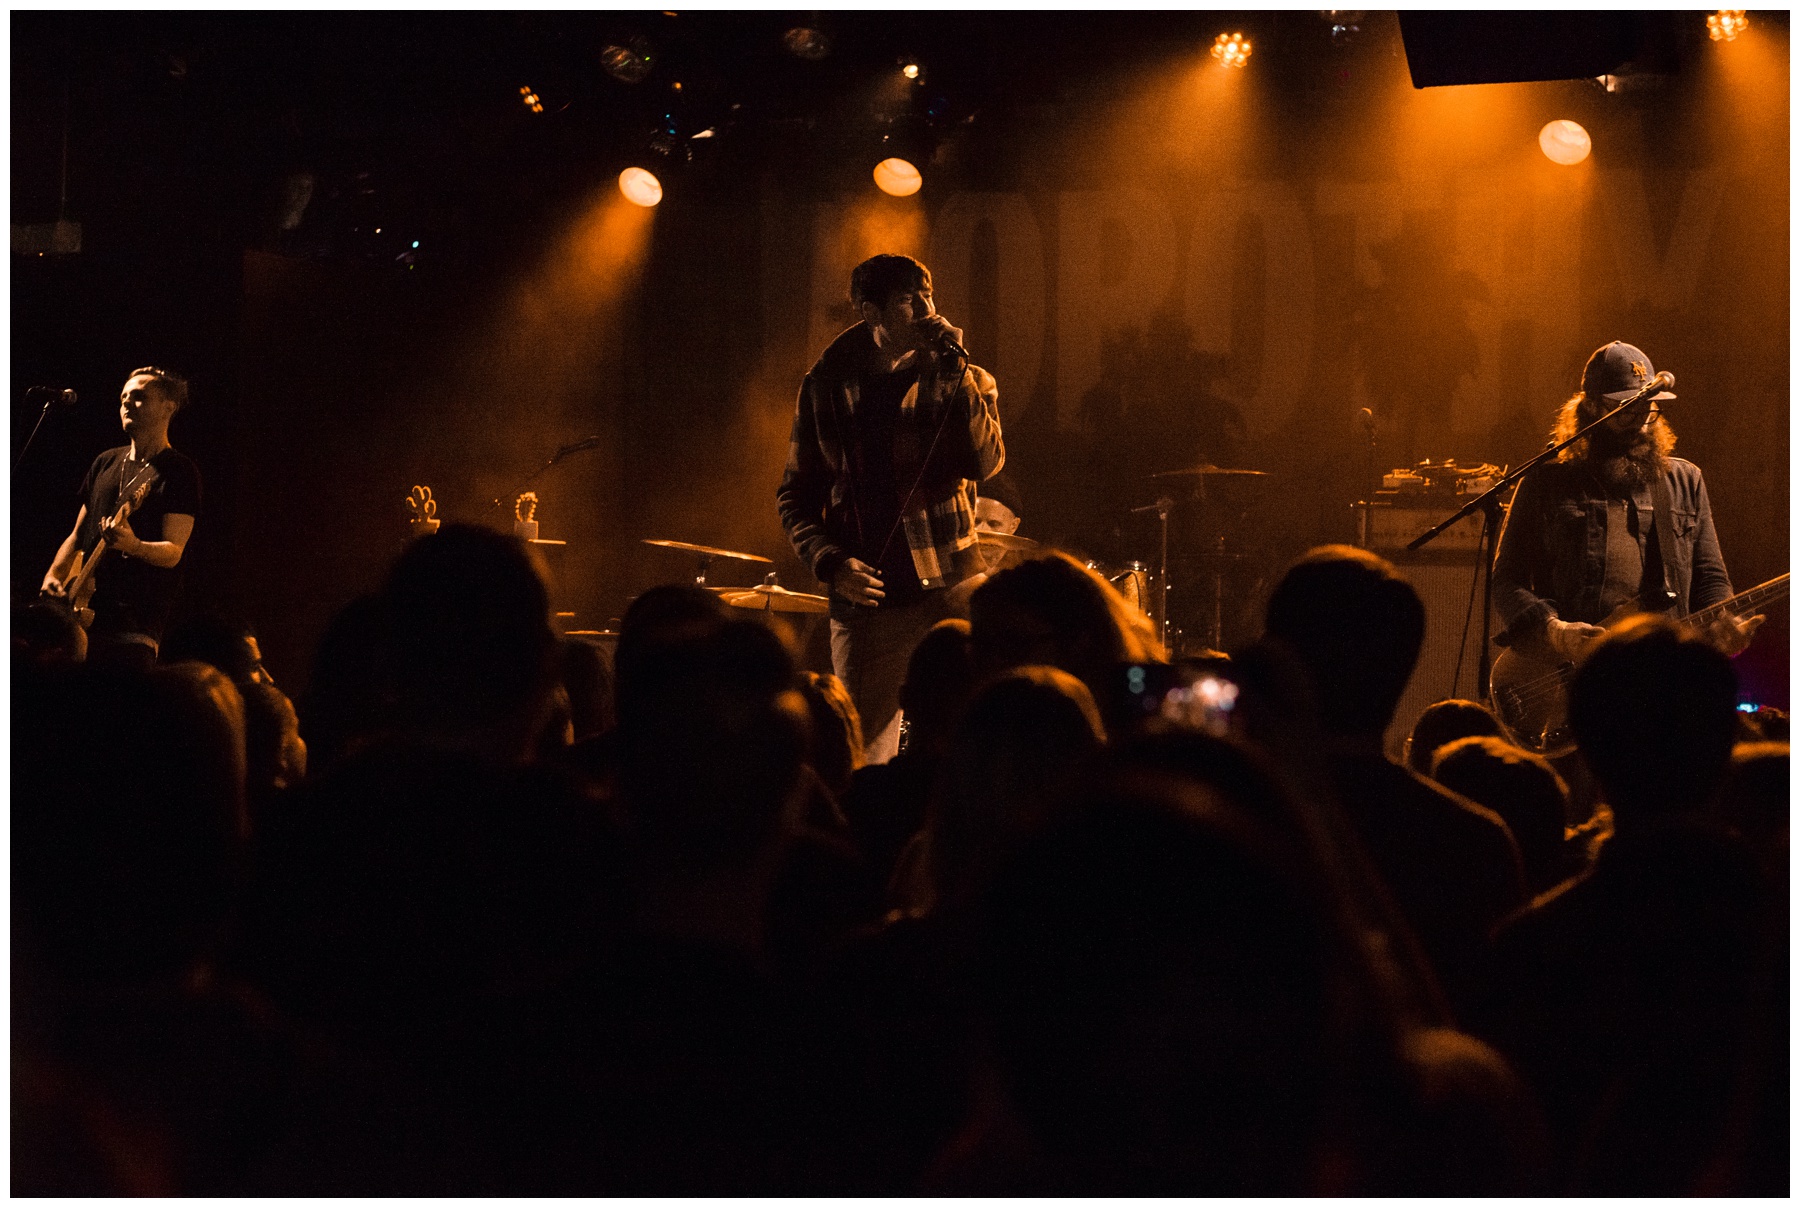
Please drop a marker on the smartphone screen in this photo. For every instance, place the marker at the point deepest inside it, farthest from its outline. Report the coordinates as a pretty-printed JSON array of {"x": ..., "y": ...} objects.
[{"x": 1195, "y": 694}]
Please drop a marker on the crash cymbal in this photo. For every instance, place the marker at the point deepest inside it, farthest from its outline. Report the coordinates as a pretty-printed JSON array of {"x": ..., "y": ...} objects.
[
  {"x": 996, "y": 540},
  {"x": 1211, "y": 472},
  {"x": 769, "y": 597},
  {"x": 707, "y": 550}
]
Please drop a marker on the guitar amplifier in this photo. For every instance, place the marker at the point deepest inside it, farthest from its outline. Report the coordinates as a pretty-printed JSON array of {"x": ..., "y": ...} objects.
[
  {"x": 1444, "y": 573},
  {"x": 1387, "y": 525}
]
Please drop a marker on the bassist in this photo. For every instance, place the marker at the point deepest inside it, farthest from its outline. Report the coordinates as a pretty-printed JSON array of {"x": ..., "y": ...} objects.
[
  {"x": 1614, "y": 521},
  {"x": 140, "y": 579}
]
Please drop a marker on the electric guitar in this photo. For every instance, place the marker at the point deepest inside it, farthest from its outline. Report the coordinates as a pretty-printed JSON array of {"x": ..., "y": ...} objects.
[
  {"x": 79, "y": 583},
  {"x": 1530, "y": 693}
]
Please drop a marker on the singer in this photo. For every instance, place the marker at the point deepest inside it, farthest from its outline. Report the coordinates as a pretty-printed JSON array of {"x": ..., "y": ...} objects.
[
  {"x": 136, "y": 586},
  {"x": 893, "y": 429},
  {"x": 1613, "y": 522}
]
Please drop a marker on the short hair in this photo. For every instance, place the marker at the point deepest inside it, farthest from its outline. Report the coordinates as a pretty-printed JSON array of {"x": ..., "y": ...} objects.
[
  {"x": 1356, "y": 625},
  {"x": 879, "y": 278},
  {"x": 1653, "y": 710},
  {"x": 469, "y": 627},
  {"x": 1442, "y": 723},
  {"x": 1522, "y": 788},
  {"x": 1003, "y": 490},
  {"x": 173, "y": 386}
]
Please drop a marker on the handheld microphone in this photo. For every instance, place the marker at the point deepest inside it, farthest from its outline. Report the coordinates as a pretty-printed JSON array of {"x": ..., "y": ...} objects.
[
  {"x": 51, "y": 394},
  {"x": 946, "y": 344}
]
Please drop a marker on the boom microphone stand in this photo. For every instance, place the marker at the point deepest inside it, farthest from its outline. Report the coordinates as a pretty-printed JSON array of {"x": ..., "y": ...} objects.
[{"x": 1489, "y": 503}]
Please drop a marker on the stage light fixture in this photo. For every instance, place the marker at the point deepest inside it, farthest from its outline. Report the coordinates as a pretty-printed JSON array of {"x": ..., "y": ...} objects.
[
  {"x": 628, "y": 63},
  {"x": 1231, "y": 50},
  {"x": 805, "y": 42},
  {"x": 910, "y": 68},
  {"x": 1726, "y": 24},
  {"x": 1345, "y": 23},
  {"x": 1565, "y": 142},
  {"x": 640, "y": 188},
  {"x": 897, "y": 178},
  {"x": 532, "y": 100}
]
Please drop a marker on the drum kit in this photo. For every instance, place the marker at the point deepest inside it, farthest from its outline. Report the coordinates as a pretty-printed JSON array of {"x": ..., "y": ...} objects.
[
  {"x": 767, "y": 596},
  {"x": 1146, "y": 586},
  {"x": 1215, "y": 494}
]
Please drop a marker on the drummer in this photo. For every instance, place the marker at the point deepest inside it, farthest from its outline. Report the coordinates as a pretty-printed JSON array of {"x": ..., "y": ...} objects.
[{"x": 997, "y": 505}]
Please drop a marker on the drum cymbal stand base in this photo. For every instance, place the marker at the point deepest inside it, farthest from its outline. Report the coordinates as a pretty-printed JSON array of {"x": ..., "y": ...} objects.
[{"x": 1161, "y": 508}]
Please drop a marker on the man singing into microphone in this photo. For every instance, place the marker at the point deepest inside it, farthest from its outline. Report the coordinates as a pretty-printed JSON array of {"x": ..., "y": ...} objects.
[
  {"x": 1590, "y": 531},
  {"x": 893, "y": 429}
]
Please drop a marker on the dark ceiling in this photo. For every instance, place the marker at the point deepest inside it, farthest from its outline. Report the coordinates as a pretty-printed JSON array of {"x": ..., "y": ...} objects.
[{"x": 193, "y": 128}]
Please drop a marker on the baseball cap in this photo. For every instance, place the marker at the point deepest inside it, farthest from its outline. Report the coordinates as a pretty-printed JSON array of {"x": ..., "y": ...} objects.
[{"x": 1617, "y": 371}]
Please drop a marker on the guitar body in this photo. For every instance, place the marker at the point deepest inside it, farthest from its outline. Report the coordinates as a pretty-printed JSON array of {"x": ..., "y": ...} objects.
[
  {"x": 1528, "y": 689},
  {"x": 1530, "y": 696},
  {"x": 78, "y": 585},
  {"x": 82, "y": 577}
]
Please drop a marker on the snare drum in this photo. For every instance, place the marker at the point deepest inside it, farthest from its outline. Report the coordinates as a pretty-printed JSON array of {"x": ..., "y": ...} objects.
[{"x": 1132, "y": 582}]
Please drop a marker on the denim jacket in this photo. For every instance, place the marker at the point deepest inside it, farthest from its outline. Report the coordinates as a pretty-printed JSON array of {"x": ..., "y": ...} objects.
[{"x": 1552, "y": 559}]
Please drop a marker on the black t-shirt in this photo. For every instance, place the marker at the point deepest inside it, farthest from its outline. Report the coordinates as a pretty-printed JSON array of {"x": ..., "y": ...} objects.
[
  {"x": 878, "y": 492},
  {"x": 130, "y": 595}
]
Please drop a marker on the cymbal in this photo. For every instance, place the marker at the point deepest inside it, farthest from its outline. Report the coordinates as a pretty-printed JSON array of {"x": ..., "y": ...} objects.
[
  {"x": 1211, "y": 472},
  {"x": 998, "y": 540},
  {"x": 708, "y": 550},
  {"x": 770, "y": 597}
]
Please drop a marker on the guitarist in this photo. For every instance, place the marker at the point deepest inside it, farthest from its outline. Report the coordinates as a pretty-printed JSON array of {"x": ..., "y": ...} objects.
[
  {"x": 140, "y": 578},
  {"x": 1613, "y": 521}
]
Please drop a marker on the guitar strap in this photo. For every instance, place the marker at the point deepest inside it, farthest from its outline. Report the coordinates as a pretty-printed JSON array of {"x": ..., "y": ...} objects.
[{"x": 1664, "y": 524}]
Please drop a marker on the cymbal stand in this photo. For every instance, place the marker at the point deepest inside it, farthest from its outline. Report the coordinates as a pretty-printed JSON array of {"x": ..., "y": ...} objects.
[
  {"x": 1216, "y": 634},
  {"x": 1161, "y": 508}
]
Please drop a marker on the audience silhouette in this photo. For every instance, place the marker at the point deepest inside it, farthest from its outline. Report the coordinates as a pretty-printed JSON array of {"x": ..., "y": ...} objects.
[{"x": 489, "y": 914}]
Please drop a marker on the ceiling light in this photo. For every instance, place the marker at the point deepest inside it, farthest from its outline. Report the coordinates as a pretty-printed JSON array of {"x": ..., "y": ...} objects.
[{"x": 1231, "y": 50}]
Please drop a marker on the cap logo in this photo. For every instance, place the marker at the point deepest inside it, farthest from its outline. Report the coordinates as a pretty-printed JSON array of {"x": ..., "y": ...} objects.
[{"x": 1640, "y": 369}]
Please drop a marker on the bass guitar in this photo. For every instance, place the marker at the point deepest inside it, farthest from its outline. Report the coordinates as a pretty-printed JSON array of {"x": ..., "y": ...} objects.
[
  {"x": 79, "y": 584},
  {"x": 1530, "y": 693}
]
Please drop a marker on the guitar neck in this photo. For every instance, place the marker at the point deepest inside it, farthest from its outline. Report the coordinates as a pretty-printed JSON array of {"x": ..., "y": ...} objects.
[{"x": 1743, "y": 604}]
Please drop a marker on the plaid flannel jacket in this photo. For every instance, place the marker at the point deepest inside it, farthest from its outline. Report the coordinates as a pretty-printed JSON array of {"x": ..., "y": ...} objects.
[{"x": 938, "y": 520}]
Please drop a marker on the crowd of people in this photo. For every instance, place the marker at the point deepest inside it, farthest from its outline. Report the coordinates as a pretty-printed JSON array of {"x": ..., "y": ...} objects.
[{"x": 483, "y": 912}]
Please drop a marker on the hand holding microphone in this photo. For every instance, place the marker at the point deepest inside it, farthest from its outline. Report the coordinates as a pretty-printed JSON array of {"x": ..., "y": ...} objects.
[{"x": 936, "y": 332}]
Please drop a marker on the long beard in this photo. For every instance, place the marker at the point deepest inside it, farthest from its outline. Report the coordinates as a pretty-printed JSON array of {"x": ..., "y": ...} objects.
[{"x": 1629, "y": 463}]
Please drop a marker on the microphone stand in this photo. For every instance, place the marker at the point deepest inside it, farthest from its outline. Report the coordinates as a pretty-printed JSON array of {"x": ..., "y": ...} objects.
[
  {"x": 1489, "y": 503},
  {"x": 589, "y": 443},
  {"x": 42, "y": 415}
]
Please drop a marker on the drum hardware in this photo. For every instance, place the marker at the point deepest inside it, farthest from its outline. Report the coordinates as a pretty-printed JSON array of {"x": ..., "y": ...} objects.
[
  {"x": 706, "y": 554},
  {"x": 1161, "y": 508},
  {"x": 1133, "y": 582},
  {"x": 1204, "y": 477},
  {"x": 770, "y": 596},
  {"x": 1210, "y": 471},
  {"x": 994, "y": 539}
]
